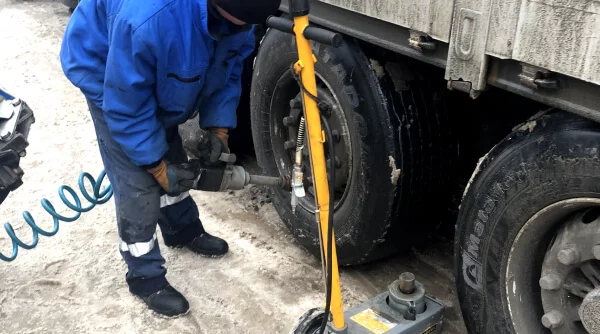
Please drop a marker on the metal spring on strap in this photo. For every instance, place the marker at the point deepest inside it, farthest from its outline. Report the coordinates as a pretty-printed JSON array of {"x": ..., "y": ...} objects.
[
  {"x": 301, "y": 135},
  {"x": 100, "y": 196}
]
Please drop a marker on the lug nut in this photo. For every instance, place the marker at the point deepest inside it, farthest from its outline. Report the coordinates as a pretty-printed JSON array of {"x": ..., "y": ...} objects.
[
  {"x": 552, "y": 319},
  {"x": 407, "y": 283},
  {"x": 289, "y": 121},
  {"x": 337, "y": 162},
  {"x": 550, "y": 282},
  {"x": 289, "y": 145},
  {"x": 569, "y": 256},
  {"x": 596, "y": 251},
  {"x": 336, "y": 136}
]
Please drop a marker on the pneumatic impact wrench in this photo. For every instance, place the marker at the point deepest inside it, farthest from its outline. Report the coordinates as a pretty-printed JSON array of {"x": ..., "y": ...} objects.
[{"x": 228, "y": 176}]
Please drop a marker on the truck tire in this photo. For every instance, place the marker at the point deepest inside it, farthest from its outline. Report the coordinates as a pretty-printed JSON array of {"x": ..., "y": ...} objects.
[
  {"x": 527, "y": 230},
  {"x": 390, "y": 151}
]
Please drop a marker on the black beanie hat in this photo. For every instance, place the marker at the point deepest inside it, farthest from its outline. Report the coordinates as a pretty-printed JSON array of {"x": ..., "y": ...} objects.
[{"x": 250, "y": 11}]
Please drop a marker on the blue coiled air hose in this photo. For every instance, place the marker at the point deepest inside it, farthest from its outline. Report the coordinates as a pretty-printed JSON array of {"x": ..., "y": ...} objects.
[{"x": 100, "y": 196}]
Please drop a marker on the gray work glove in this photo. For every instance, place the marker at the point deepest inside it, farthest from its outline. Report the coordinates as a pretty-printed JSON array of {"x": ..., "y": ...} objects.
[{"x": 212, "y": 145}]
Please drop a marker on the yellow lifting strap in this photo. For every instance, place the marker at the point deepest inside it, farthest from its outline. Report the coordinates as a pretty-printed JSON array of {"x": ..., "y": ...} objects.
[
  {"x": 305, "y": 68},
  {"x": 317, "y": 158}
]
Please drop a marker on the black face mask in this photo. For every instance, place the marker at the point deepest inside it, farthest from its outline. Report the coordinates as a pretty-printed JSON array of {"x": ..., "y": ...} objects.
[{"x": 249, "y": 11}]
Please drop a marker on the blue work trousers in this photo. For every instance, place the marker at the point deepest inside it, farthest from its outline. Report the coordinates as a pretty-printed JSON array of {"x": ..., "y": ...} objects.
[{"x": 141, "y": 204}]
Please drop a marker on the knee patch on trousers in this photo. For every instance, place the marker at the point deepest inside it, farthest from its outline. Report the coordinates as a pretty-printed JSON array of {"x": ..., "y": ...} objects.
[{"x": 137, "y": 215}]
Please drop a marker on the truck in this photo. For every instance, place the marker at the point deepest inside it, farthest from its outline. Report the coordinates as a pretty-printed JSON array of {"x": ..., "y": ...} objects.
[
  {"x": 476, "y": 120},
  {"x": 473, "y": 119}
]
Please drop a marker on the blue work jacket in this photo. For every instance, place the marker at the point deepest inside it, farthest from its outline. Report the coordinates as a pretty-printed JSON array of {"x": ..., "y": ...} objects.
[{"x": 151, "y": 64}]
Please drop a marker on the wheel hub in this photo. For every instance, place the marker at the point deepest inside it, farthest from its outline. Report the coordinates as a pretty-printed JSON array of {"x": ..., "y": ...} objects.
[
  {"x": 337, "y": 122},
  {"x": 570, "y": 277}
]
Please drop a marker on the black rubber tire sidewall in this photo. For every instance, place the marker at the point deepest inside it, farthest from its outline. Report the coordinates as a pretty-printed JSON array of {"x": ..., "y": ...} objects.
[
  {"x": 362, "y": 221},
  {"x": 552, "y": 159}
]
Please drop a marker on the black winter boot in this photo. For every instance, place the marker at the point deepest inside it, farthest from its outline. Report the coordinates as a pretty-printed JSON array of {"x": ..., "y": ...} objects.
[
  {"x": 167, "y": 302},
  {"x": 208, "y": 245}
]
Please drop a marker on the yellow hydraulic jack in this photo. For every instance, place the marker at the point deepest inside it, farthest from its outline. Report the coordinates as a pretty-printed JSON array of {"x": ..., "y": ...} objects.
[{"x": 404, "y": 309}]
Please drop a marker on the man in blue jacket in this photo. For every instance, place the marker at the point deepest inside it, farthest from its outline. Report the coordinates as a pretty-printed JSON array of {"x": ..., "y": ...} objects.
[{"x": 145, "y": 67}]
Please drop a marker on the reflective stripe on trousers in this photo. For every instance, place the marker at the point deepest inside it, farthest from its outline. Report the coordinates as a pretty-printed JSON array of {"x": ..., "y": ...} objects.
[
  {"x": 142, "y": 248},
  {"x": 166, "y": 200},
  {"x": 139, "y": 248}
]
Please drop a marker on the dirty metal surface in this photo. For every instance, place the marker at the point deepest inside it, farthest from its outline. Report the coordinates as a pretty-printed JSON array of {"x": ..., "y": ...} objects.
[
  {"x": 504, "y": 18},
  {"x": 433, "y": 17},
  {"x": 372, "y": 30},
  {"x": 467, "y": 60},
  {"x": 559, "y": 35},
  {"x": 574, "y": 95}
]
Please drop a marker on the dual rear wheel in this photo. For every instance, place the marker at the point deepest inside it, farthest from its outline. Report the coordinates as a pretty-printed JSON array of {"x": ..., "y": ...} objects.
[
  {"x": 526, "y": 247},
  {"x": 392, "y": 149},
  {"x": 527, "y": 233}
]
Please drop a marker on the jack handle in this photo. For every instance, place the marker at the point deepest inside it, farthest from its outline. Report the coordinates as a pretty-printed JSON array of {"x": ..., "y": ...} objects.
[{"x": 320, "y": 35}]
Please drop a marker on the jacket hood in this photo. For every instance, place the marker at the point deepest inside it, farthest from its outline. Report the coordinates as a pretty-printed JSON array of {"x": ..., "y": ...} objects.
[{"x": 213, "y": 23}]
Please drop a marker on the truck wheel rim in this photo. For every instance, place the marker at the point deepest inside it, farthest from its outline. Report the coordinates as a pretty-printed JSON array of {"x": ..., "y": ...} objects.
[
  {"x": 553, "y": 275},
  {"x": 286, "y": 102}
]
